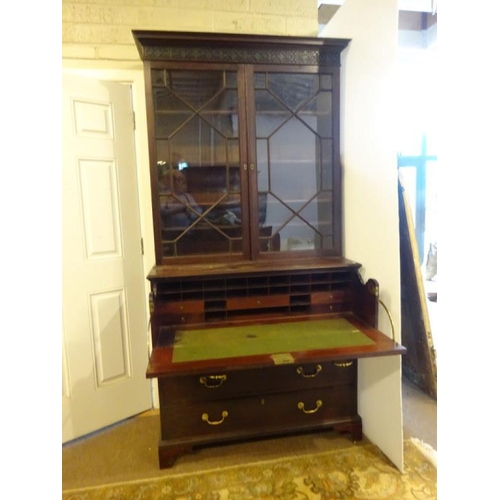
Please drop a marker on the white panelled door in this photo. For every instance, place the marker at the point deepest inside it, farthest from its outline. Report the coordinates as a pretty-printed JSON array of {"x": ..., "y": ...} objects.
[{"x": 105, "y": 351}]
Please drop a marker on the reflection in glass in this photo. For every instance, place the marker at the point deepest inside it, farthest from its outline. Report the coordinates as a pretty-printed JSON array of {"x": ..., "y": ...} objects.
[
  {"x": 179, "y": 208},
  {"x": 197, "y": 150}
]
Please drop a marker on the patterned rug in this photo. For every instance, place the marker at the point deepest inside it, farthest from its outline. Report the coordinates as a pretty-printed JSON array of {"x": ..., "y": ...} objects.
[{"x": 356, "y": 473}]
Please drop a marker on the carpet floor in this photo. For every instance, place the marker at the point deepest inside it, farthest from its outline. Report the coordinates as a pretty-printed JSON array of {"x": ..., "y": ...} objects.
[{"x": 121, "y": 463}]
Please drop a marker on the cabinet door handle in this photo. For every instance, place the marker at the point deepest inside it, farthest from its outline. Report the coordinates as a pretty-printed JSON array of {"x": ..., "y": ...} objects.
[
  {"x": 213, "y": 381},
  {"x": 206, "y": 418},
  {"x": 301, "y": 406},
  {"x": 300, "y": 371},
  {"x": 252, "y": 166}
]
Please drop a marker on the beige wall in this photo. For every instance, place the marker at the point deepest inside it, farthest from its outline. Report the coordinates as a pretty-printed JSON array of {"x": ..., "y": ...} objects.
[{"x": 101, "y": 29}]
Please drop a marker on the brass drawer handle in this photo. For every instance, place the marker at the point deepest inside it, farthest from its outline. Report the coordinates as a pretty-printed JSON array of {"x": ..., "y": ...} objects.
[
  {"x": 343, "y": 365},
  {"x": 213, "y": 381},
  {"x": 300, "y": 371},
  {"x": 301, "y": 406},
  {"x": 206, "y": 418}
]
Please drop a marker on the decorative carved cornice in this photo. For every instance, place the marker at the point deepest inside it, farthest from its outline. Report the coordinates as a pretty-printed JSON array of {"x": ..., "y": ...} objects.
[
  {"x": 241, "y": 49},
  {"x": 312, "y": 56}
]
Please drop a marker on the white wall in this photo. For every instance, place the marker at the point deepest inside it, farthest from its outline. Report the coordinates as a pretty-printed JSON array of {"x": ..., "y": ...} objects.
[{"x": 368, "y": 150}]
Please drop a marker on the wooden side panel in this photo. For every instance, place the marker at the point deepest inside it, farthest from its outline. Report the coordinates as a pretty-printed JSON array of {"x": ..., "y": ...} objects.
[
  {"x": 365, "y": 301},
  {"x": 419, "y": 364}
]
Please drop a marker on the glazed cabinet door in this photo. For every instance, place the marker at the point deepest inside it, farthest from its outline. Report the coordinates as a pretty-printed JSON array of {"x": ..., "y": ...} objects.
[
  {"x": 293, "y": 134},
  {"x": 197, "y": 115},
  {"x": 244, "y": 145},
  {"x": 245, "y": 155}
]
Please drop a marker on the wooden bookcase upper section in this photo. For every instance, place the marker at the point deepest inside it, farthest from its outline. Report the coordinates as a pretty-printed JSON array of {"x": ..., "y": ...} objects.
[{"x": 244, "y": 146}]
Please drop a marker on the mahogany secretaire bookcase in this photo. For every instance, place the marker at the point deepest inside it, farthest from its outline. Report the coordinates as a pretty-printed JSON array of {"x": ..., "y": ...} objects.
[{"x": 257, "y": 318}]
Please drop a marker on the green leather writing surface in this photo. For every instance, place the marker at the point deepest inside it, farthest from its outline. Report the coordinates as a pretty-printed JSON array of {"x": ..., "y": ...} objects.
[{"x": 251, "y": 340}]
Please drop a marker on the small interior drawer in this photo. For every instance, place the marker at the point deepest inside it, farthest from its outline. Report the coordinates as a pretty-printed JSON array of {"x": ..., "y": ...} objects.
[
  {"x": 257, "y": 302},
  {"x": 328, "y": 297},
  {"x": 179, "y": 307}
]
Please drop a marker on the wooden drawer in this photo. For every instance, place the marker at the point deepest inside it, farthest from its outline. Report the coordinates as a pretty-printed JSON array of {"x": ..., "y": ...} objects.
[
  {"x": 211, "y": 386},
  {"x": 257, "y": 302},
  {"x": 328, "y": 297},
  {"x": 176, "y": 319},
  {"x": 326, "y": 308},
  {"x": 297, "y": 409},
  {"x": 329, "y": 302},
  {"x": 180, "y": 307}
]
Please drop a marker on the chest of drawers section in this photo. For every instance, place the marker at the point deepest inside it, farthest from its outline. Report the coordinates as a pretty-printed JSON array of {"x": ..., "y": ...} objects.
[
  {"x": 302, "y": 380},
  {"x": 203, "y": 408}
]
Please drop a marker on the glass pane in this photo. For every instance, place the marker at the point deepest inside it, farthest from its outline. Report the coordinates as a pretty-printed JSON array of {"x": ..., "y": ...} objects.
[
  {"x": 326, "y": 82},
  {"x": 263, "y": 165},
  {"x": 158, "y": 77},
  {"x": 196, "y": 241},
  {"x": 199, "y": 143},
  {"x": 319, "y": 213},
  {"x": 294, "y": 161},
  {"x": 293, "y": 90},
  {"x": 298, "y": 236},
  {"x": 271, "y": 114},
  {"x": 195, "y": 88},
  {"x": 316, "y": 114},
  {"x": 325, "y": 147},
  {"x": 221, "y": 113},
  {"x": 166, "y": 125},
  {"x": 278, "y": 214},
  {"x": 198, "y": 162},
  {"x": 207, "y": 219}
]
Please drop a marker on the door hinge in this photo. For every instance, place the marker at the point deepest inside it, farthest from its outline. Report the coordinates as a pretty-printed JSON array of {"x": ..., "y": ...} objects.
[
  {"x": 142, "y": 246},
  {"x": 133, "y": 119}
]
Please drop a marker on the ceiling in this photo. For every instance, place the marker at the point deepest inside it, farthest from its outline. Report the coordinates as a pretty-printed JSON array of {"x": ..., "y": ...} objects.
[{"x": 414, "y": 15}]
